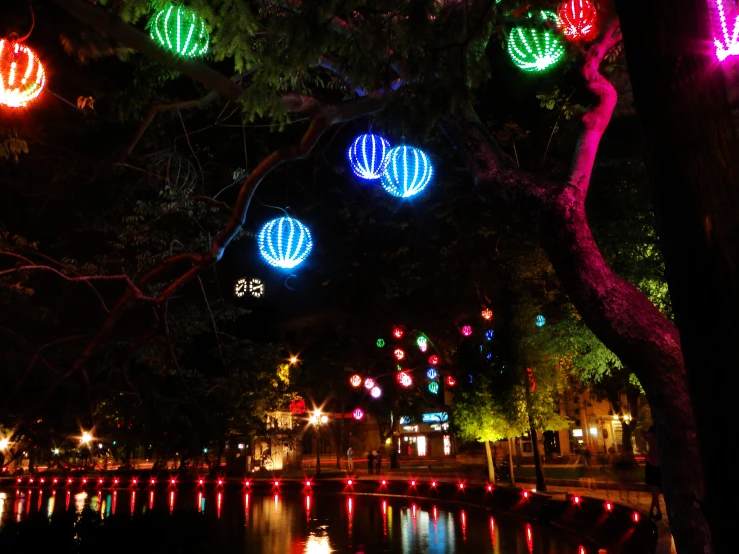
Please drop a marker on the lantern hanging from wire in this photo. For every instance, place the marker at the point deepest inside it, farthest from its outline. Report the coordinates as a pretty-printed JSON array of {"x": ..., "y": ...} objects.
[
  {"x": 466, "y": 330},
  {"x": 376, "y": 392},
  {"x": 431, "y": 373},
  {"x": 22, "y": 76},
  {"x": 434, "y": 387},
  {"x": 533, "y": 49},
  {"x": 489, "y": 334},
  {"x": 404, "y": 379},
  {"x": 399, "y": 354},
  {"x": 487, "y": 314},
  {"x": 540, "y": 321},
  {"x": 284, "y": 242},
  {"x": 358, "y": 413},
  {"x": 434, "y": 359},
  {"x": 369, "y": 383},
  {"x": 181, "y": 31},
  {"x": 422, "y": 343},
  {"x": 578, "y": 20},
  {"x": 380, "y": 343},
  {"x": 451, "y": 381},
  {"x": 398, "y": 333},
  {"x": 408, "y": 171},
  {"x": 368, "y": 156},
  {"x": 355, "y": 381}
]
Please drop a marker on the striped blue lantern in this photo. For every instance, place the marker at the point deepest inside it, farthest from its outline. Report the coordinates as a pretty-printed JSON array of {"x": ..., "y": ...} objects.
[
  {"x": 284, "y": 242},
  {"x": 408, "y": 172},
  {"x": 368, "y": 156}
]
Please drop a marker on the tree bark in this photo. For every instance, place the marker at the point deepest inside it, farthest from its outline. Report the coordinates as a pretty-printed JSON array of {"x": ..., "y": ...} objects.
[
  {"x": 693, "y": 157},
  {"x": 541, "y": 484},
  {"x": 510, "y": 461},
  {"x": 491, "y": 467},
  {"x": 616, "y": 311}
]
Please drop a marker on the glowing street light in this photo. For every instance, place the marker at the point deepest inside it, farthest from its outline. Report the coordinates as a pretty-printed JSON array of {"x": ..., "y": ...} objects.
[
  {"x": 4, "y": 443},
  {"x": 55, "y": 451},
  {"x": 86, "y": 438},
  {"x": 317, "y": 419}
]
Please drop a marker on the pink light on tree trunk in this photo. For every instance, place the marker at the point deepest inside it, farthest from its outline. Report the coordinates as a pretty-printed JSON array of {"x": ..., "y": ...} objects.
[{"x": 725, "y": 25}]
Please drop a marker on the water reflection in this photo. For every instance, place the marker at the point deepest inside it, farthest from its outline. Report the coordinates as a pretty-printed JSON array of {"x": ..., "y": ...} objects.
[{"x": 308, "y": 523}]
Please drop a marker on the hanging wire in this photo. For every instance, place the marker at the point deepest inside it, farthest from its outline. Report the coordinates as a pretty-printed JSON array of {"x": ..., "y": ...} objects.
[{"x": 33, "y": 23}]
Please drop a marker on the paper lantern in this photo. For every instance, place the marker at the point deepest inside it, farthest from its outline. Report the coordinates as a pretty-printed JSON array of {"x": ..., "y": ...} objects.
[
  {"x": 173, "y": 171},
  {"x": 358, "y": 414},
  {"x": 422, "y": 343},
  {"x": 376, "y": 392},
  {"x": 432, "y": 373},
  {"x": 380, "y": 343},
  {"x": 404, "y": 379},
  {"x": 368, "y": 156},
  {"x": 399, "y": 354},
  {"x": 534, "y": 49},
  {"x": 355, "y": 381},
  {"x": 489, "y": 334},
  {"x": 434, "y": 387},
  {"x": 284, "y": 242},
  {"x": 181, "y": 31},
  {"x": 369, "y": 383},
  {"x": 578, "y": 20},
  {"x": 22, "y": 76},
  {"x": 725, "y": 26},
  {"x": 540, "y": 321},
  {"x": 451, "y": 381},
  {"x": 487, "y": 314},
  {"x": 408, "y": 172},
  {"x": 466, "y": 330},
  {"x": 434, "y": 359},
  {"x": 398, "y": 333}
]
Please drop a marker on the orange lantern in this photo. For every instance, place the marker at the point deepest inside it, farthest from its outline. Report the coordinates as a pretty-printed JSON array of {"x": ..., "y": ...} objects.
[
  {"x": 22, "y": 76},
  {"x": 487, "y": 314}
]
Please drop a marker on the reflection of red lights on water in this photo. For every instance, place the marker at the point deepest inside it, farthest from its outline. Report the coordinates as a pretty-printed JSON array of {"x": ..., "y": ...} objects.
[
  {"x": 277, "y": 498},
  {"x": 219, "y": 503},
  {"x": 492, "y": 531},
  {"x": 200, "y": 502},
  {"x": 464, "y": 525},
  {"x": 66, "y": 504},
  {"x": 529, "y": 537},
  {"x": 307, "y": 504},
  {"x": 435, "y": 512},
  {"x": 413, "y": 508},
  {"x": 350, "y": 505},
  {"x": 133, "y": 502},
  {"x": 246, "y": 509},
  {"x": 635, "y": 517},
  {"x": 151, "y": 500},
  {"x": 115, "y": 501},
  {"x": 609, "y": 506},
  {"x": 384, "y": 507},
  {"x": 171, "y": 502}
]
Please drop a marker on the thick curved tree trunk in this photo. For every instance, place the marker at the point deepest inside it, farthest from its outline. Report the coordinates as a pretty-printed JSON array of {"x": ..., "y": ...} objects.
[
  {"x": 693, "y": 155},
  {"x": 616, "y": 311}
]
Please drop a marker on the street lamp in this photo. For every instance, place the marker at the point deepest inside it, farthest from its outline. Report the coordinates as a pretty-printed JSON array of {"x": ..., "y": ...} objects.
[
  {"x": 4, "y": 443},
  {"x": 86, "y": 438},
  {"x": 318, "y": 419}
]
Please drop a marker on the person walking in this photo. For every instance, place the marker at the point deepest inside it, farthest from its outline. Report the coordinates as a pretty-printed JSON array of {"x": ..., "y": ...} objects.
[
  {"x": 370, "y": 462},
  {"x": 350, "y": 459},
  {"x": 653, "y": 473}
]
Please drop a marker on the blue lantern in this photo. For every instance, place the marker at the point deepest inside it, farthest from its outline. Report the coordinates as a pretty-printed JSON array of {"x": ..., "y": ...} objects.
[
  {"x": 490, "y": 355},
  {"x": 368, "y": 156},
  {"x": 434, "y": 387},
  {"x": 489, "y": 334},
  {"x": 408, "y": 172},
  {"x": 432, "y": 373},
  {"x": 284, "y": 242},
  {"x": 540, "y": 321}
]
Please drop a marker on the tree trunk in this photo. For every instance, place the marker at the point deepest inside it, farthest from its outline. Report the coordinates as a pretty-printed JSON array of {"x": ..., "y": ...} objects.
[
  {"x": 616, "y": 311},
  {"x": 510, "y": 461},
  {"x": 627, "y": 431},
  {"x": 541, "y": 485},
  {"x": 693, "y": 157},
  {"x": 491, "y": 467}
]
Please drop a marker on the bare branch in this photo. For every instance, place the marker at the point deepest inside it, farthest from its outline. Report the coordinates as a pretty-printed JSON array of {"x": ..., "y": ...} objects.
[
  {"x": 596, "y": 120},
  {"x": 222, "y": 206}
]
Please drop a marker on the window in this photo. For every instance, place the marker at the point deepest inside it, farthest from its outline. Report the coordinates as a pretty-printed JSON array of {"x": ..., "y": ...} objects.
[
  {"x": 447, "y": 445},
  {"x": 577, "y": 432},
  {"x": 421, "y": 443}
]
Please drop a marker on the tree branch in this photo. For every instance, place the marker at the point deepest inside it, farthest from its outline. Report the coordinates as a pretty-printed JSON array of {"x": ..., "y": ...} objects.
[{"x": 597, "y": 118}]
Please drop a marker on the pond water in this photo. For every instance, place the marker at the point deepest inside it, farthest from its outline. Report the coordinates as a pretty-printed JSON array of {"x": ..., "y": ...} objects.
[{"x": 236, "y": 521}]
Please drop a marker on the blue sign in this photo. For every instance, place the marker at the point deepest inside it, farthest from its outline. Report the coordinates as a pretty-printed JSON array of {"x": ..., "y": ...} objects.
[{"x": 436, "y": 417}]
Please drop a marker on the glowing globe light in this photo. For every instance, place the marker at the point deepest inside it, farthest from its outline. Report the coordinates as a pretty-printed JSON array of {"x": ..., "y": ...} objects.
[
  {"x": 489, "y": 334},
  {"x": 284, "y": 242},
  {"x": 451, "y": 381},
  {"x": 399, "y": 354},
  {"x": 487, "y": 314},
  {"x": 22, "y": 76},
  {"x": 368, "y": 156},
  {"x": 434, "y": 359},
  {"x": 380, "y": 343},
  {"x": 404, "y": 379},
  {"x": 408, "y": 172},
  {"x": 369, "y": 383},
  {"x": 434, "y": 387},
  {"x": 540, "y": 321},
  {"x": 466, "y": 330},
  {"x": 358, "y": 414},
  {"x": 432, "y": 373},
  {"x": 376, "y": 392},
  {"x": 578, "y": 19},
  {"x": 355, "y": 381},
  {"x": 398, "y": 333},
  {"x": 534, "y": 49},
  {"x": 181, "y": 31},
  {"x": 422, "y": 343}
]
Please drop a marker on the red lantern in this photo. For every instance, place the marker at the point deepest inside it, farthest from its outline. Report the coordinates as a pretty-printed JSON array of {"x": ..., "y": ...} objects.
[
  {"x": 398, "y": 333},
  {"x": 434, "y": 360},
  {"x": 404, "y": 379},
  {"x": 297, "y": 406},
  {"x": 22, "y": 76},
  {"x": 578, "y": 19},
  {"x": 451, "y": 381}
]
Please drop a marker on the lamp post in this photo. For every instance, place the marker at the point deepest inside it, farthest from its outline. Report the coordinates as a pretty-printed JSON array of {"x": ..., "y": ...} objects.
[{"x": 318, "y": 419}]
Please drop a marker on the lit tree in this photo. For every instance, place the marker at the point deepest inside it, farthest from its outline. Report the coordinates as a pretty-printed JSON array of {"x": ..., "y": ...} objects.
[{"x": 427, "y": 62}]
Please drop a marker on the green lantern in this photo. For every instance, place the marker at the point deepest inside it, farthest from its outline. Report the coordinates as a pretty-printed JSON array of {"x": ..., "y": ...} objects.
[
  {"x": 534, "y": 49},
  {"x": 181, "y": 31}
]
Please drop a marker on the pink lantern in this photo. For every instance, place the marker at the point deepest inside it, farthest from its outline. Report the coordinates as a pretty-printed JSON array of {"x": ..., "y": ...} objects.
[
  {"x": 466, "y": 330},
  {"x": 725, "y": 26},
  {"x": 369, "y": 383},
  {"x": 358, "y": 414},
  {"x": 404, "y": 379},
  {"x": 376, "y": 392}
]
